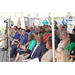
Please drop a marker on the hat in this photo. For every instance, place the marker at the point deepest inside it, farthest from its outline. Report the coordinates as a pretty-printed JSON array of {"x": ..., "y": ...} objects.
[{"x": 47, "y": 30}]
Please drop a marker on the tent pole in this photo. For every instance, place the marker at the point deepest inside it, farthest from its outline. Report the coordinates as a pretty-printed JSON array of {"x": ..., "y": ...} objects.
[
  {"x": 8, "y": 39},
  {"x": 53, "y": 39}
]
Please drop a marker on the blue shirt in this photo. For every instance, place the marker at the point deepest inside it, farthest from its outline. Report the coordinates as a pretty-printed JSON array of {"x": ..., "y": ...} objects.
[
  {"x": 24, "y": 39},
  {"x": 17, "y": 36},
  {"x": 64, "y": 23},
  {"x": 32, "y": 32}
]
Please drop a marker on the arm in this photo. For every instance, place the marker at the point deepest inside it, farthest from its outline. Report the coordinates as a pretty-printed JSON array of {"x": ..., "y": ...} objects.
[{"x": 65, "y": 44}]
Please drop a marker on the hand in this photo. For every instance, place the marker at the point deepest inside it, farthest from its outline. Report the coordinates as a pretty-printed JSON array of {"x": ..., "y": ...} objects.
[
  {"x": 17, "y": 46},
  {"x": 25, "y": 54},
  {"x": 24, "y": 48}
]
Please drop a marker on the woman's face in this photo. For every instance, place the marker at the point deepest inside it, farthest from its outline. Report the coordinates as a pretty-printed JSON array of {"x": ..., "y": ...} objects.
[
  {"x": 47, "y": 45},
  {"x": 57, "y": 54},
  {"x": 73, "y": 32},
  {"x": 68, "y": 38},
  {"x": 63, "y": 36}
]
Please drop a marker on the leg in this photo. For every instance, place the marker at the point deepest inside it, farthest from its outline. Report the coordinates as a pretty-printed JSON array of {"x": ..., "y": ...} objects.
[
  {"x": 17, "y": 57},
  {"x": 14, "y": 47}
]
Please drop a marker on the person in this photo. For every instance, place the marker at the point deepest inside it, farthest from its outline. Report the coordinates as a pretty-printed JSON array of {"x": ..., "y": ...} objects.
[
  {"x": 46, "y": 36},
  {"x": 36, "y": 31},
  {"x": 63, "y": 43},
  {"x": 35, "y": 22},
  {"x": 56, "y": 37},
  {"x": 62, "y": 55},
  {"x": 39, "y": 29},
  {"x": 64, "y": 21},
  {"x": 43, "y": 31},
  {"x": 70, "y": 29},
  {"x": 40, "y": 22},
  {"x": 31, "y": 30},
  {"x": 71, "y": 42},
  {"x": 39, "y": 49},
  {"x": 45, "y": 22},
  {"x": 27, "y": 29},
  {"x": 32, "y": 42},
  {"x": 73, "y": 31},
  {"x": 23, "y": 41},
  {"x": 48, "y": 56}
]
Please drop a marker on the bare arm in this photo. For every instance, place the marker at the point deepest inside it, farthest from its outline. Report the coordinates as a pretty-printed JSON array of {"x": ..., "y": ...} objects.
[{"x": 65, "y": 44}]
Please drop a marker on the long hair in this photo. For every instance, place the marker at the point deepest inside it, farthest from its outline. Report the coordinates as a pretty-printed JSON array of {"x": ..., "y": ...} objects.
[{"x": 64, "y": 55}]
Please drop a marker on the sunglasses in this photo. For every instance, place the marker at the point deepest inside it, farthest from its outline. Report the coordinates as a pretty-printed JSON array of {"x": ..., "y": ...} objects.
[{"x": 57, "y": 51}]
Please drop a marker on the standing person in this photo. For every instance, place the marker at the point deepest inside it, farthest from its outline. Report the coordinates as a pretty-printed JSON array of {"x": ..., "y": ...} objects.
[
  {"x": 40, "y": 22},
  {"x": 45, "y": 22},
  {"x": 35, "y": 22},
  {"x": 64, "y": 21}
]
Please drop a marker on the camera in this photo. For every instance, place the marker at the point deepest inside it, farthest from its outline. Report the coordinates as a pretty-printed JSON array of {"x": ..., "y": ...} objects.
[{"x": 6, "y": 21}]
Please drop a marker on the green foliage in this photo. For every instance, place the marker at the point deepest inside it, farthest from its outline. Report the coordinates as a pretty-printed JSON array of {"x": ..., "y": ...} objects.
[{"x": 2, "y": 29}]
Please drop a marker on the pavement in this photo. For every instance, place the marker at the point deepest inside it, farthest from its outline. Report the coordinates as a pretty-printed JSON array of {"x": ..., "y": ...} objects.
[{"x": 4, "y": 55}]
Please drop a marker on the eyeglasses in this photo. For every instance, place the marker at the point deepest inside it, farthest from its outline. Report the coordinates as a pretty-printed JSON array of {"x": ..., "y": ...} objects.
[{"x": 57, "y": 51}]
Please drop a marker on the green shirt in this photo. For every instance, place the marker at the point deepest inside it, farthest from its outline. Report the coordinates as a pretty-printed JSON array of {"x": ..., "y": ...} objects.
[
  {"x": 45, "y": 22},
  {"x": 31, "y": 44},
  {"x": 70, "y": 46},
  {"x": 43, "y": 34}
]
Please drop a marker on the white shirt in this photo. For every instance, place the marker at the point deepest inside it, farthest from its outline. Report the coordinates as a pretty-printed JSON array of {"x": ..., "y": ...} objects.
[
  {"x": 35, "y": 49},
  {"x": 35, "y": 22}
]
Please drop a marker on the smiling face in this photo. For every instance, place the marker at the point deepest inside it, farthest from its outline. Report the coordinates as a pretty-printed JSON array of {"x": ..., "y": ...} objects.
[{"x": 57, "y": 54}]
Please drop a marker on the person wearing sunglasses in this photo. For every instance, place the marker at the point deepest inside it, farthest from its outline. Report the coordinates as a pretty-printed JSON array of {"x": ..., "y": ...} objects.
[{"x": 71, "y": 42}]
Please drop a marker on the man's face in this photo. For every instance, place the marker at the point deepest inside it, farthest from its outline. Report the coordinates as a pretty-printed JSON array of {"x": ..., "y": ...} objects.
[
  {"x": 23, "y": 32},
  {"x": 39, "y": 39},
  {"x": 26, "y": 28},
  {"x": 29, "y": 37}
]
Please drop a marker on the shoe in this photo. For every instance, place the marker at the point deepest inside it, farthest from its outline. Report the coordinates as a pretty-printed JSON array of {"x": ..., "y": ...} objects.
[{"x": 4, "y": 49}]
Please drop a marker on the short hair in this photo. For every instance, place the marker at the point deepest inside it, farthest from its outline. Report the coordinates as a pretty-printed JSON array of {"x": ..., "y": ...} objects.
[
  {"x": 50, "y": 43},
  {"x": 24, "y": 30},
  {"x": 26, "y": 26},
  {"x": 56, "y": 27}
]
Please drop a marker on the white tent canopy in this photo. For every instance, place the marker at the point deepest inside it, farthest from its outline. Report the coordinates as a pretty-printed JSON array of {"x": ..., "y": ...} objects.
[{"x": 62, "y": 14}]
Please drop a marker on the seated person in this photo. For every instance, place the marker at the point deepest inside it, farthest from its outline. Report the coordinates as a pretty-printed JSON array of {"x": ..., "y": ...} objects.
[
  {"x": 71, "y": 42},
  {"x": 46, "y": 36},
  {"x": 23, "y": 41},
  {"x": 63, "y": 43},
  {"x": 16, "y": 37},
  {"x": 27, "y": 30},
  {"x": 38, "y": 50},
  {"x": 62, "y": 55},
  {"x": 43, "y": 31},
  {"x": 31, "y": 30},
  {"x": 32, "y": 42},
  {"x": 48, "y": 56},
  {"x": 56, "y": 37}
]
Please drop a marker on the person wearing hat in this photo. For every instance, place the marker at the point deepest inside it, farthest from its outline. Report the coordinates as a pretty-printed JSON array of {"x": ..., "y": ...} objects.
[{"x": 47, "y": 35}]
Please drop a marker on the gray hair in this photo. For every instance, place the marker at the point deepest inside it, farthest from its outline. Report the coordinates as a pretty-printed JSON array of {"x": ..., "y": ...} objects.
[{"x": 65, "y": 33}]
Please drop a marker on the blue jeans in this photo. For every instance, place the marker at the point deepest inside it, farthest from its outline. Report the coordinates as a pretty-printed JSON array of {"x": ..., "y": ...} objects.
[{"x": 14, "y": 48}]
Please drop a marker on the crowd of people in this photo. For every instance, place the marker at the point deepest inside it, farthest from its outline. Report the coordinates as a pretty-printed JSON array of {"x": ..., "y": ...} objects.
[{"x": 36, "y": 42}]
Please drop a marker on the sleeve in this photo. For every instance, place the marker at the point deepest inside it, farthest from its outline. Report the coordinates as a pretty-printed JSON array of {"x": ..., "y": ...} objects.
[
  {"x": 32, "y": 45},
  {"x": 42, "y": 52},
  {"x": 67, "y": 47}
]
